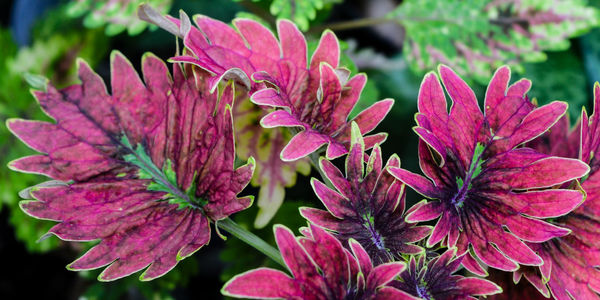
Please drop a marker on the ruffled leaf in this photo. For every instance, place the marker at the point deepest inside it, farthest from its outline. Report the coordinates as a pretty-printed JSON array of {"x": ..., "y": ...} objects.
[
  {"x": 317, "y": 97},
  {"x": 481, "y": 181},
  {"x": 482, "y": 35},
  {"x": 142, "y": 177},
  {"x": 570, "y": 262}
]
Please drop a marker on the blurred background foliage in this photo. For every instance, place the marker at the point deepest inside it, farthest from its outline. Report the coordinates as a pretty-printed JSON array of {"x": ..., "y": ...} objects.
[{"x": 554, "y": 43}]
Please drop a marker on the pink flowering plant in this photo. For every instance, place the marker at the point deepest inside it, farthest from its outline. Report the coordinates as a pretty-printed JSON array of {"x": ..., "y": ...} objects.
[{"x": 157, "y": 164}]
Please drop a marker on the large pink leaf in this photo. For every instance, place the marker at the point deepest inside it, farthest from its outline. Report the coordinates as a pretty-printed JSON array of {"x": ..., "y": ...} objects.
[
  {"x": 318, "y": 95},
  {"x": 148, "y": 166},
  {"x": 571, "y": 263},
  {"x": 481, "y": 180}
]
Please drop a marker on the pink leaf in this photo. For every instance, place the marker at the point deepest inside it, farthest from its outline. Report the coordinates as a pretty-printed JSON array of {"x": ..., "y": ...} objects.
[
  {"x": 316, "y": 96},
  {"x": 146, "y": 179},
  {"x": 479, "y": 180}
]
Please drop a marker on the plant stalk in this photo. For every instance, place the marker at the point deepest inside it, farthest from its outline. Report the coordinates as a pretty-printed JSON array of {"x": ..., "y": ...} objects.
[
  {"x": 352, "y": 24},
  {"x": 251, "y": 239}
]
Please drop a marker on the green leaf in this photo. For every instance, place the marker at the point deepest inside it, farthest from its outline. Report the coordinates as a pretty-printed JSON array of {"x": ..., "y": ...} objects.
[
  {"x": 118, "y": 16},
  {"x": 37, "y": 82},
  {"x": 302, "y": 12},
  {"x": 476, "y": 37}
]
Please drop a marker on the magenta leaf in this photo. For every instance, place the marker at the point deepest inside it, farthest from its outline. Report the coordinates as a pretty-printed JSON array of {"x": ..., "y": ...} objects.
[
  {"x": 570, "y": 268},
  {"x": 435, "y": 278},
  {"x": 318, "y": 96},
  {"x": 148, "y": 167},
  {"x": 368, "y": 205},
  {"x": 480, "y": 180},
  {"x": 321, "y": 269}
]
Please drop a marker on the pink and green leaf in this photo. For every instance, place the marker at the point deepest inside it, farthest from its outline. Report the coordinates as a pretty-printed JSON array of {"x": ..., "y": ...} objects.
[
  {"x": 479, "y": 179},
  {"x": 143, "y": 178}
]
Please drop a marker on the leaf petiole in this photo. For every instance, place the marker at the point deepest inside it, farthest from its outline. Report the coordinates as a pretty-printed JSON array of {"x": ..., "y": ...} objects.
[{"x": 251, "y": 239}]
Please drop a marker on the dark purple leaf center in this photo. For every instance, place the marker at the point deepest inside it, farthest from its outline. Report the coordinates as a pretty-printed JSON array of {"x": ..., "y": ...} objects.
[
  {"x": 422, "y": 290},
  {"x": 376, "y": 238}
]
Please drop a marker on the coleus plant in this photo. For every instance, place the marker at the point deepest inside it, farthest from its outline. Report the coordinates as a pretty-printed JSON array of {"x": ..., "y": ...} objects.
[
  {"x": 145, "y": 170},
  {"x": 475, "y": 37},
  {"x": 368, "y": 205},
  {"x": 313, "y": 98},
  {"x": 480, "y": 181},
  {"x": 322, "y": 269},
  {"x": 570, "y": 262},
  {"x": 435, "y": 278}
]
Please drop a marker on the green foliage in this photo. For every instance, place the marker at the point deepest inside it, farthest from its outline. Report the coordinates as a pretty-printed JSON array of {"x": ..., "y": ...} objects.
[
  {"x": 117, "y": 15},
  {"x": 56, "y": 45},
  {"x": 475, "y": 37},
  {"x": 302, "y": 12}
]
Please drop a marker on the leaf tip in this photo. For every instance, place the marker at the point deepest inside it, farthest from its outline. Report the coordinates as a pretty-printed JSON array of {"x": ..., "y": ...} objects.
[
  {"x": 37, "y": 82},
  {"x": 44, "y": 237},
  {"x": 355, "y": 134}
]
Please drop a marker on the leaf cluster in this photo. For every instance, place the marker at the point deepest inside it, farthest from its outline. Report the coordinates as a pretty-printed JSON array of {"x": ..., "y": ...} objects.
[{"x": 475, "y": 37}]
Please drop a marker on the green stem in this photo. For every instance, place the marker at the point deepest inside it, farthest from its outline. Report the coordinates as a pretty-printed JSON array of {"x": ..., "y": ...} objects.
[
  {"x": 352, "y": 24},
  {"x": 366, "y": 22},
  {"x": 251, "y": 239}
]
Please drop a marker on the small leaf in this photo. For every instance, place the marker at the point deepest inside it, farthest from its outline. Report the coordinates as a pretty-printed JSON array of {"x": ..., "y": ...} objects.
[
  {"x": 301, "y": 12},
  {"x": 37, "y": 82},
  {"x": 118, "y": 16}
]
